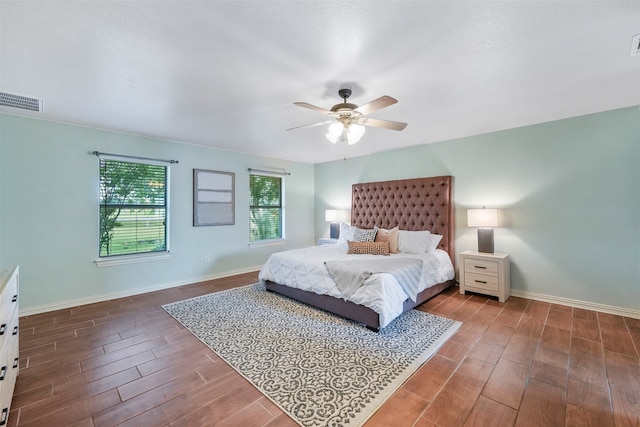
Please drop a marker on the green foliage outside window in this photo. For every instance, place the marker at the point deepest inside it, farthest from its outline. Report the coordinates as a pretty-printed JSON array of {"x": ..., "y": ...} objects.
[
  {"x": 265, "y": 207},
  {"x": 133, "y": 208}
]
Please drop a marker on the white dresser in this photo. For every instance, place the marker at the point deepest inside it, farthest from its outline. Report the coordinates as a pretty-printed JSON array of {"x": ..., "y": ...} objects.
[{"x": 8, "y": 339}]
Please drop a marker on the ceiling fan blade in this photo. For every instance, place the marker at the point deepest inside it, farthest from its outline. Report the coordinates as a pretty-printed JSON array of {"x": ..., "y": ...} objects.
[
  {"x": 326, "y": 122},
  {"x": 313, "y": 107},
  {"x": 376, "y": 104},
  {"x": 386, "y": 124}
]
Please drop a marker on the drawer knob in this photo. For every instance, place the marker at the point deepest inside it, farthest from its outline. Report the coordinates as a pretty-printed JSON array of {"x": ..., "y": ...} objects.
[
  {"x": 3, "y": 328},
  {"x": 482, "y": 267},
  {"x": 5, "y": 415},
  {"x": 15, "y": 330},
  {"x": 480, "y": 281},
  {"x": 3, "y": 372},
  {"x": 15, "y": 363},
  {"x": 15, "y": 298}
]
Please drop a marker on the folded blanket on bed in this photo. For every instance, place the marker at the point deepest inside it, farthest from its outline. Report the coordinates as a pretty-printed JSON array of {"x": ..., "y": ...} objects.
[{"x": 350, "y": 275}]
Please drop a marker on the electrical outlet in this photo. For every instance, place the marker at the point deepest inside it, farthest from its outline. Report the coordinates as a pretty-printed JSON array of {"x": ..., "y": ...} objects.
[{"x": 207, "y": 260}]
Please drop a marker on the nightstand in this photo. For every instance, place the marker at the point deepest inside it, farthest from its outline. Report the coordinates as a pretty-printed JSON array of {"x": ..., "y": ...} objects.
[
  {"x": 327, "y": 241},
  {"x": 485, "y": 273}
]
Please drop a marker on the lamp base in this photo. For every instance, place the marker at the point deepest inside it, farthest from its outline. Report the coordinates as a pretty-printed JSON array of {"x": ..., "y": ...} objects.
[
  {"x": 485, "y": 240},
  {"x": 334, "y": 230}
]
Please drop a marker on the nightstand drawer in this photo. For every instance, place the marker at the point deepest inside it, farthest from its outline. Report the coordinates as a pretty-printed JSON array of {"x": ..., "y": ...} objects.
[
  {"x": 480, "y": 266},
  {"x": 481, "y": 281}
]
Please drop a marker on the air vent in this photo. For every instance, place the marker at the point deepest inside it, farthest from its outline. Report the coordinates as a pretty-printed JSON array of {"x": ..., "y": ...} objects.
[
  {"x": 635, "y": 45},
  {"x": 21, "y": 102}
]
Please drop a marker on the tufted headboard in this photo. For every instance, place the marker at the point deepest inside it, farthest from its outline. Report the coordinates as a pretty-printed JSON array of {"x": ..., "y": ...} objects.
[{"x": 411, "y": 204}]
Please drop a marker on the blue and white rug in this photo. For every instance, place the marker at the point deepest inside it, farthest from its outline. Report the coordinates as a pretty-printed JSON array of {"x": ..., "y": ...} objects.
[{"x": 321, "y": 369}]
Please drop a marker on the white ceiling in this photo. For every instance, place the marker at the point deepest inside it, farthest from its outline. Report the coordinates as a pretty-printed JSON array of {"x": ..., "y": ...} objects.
[{"x": 226, "y": 73}]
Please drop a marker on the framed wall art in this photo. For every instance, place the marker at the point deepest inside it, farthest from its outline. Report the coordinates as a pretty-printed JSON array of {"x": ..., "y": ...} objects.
[{"x": 213, "y": 198}]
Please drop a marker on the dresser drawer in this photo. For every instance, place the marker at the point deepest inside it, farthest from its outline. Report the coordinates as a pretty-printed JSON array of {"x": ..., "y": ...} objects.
[
  {"x": 480, "y": 266},
  {"x": 9, "y": 296},
  {"x": 481, "y": 281},
  {"x": 8, "y": 372},
  {"x": 8, "y": 319},
  {"x": 9, "y": 328}
]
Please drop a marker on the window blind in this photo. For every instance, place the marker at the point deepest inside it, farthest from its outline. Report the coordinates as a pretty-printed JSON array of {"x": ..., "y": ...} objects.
[
  {"x": 265, "y": 207},
  {"x": 133, "y": 207}
]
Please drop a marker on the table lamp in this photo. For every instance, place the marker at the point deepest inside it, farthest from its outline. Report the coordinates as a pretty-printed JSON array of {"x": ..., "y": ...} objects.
[
  {"x": 335, "y": 217},
  {"x": 485, "y": 220}
]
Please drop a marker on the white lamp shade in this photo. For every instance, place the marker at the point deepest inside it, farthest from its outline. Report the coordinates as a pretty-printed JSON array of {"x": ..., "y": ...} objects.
[
  {"x": 354, "y": 134},
  {"x": 336, "y": 215},
  {"x": 350, "y": 134},
  {"x": 482, "y": 217},
  {"x": 335, "y": 132}
]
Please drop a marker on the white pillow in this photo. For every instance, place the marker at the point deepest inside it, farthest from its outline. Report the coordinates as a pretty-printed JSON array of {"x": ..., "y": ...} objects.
[
  {"x": 346, "y": 233},
  {"x": 433, "y": 240},
  {"x": 413, "y": 242}
]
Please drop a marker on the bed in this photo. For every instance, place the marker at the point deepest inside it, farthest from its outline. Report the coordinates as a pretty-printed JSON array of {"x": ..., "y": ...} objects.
[{"x": 410, "y": 205}]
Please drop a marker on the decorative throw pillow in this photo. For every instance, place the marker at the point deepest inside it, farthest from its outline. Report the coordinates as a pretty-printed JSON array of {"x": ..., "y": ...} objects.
[
  {"x": 413, "y": 242},
  {"x": 370, "y": 248},
  {"x": 362, "y": 235},
  {"x": 390, "y": 236}
]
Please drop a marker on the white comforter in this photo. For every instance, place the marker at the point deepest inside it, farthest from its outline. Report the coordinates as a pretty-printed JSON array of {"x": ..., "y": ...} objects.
[{"x": 304, "y": 269}]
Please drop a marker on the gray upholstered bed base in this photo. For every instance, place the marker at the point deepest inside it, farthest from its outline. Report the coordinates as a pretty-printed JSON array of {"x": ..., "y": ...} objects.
[{"x": 349, "y": 310}]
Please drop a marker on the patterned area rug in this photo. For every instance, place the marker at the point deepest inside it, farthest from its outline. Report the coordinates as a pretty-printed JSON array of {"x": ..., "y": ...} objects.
[{"x": 321, "y": 369}]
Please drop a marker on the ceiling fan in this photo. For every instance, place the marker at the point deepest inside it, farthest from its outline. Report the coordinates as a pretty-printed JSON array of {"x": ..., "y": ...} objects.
[{"x": 348, "y": 120}]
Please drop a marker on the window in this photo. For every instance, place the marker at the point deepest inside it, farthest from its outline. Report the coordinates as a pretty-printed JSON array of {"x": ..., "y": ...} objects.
[
  {"x": 133, "y": 208},
  {"x": 266, "y": 207}
]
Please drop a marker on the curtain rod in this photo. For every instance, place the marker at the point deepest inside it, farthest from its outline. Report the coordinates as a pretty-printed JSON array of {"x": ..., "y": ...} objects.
[
  {"x": 97, "y": 153},
  {"x": 266, "y": 171}
]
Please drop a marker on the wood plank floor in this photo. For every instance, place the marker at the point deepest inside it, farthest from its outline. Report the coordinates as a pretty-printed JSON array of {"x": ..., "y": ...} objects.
[{"x": 523, "y": 363}]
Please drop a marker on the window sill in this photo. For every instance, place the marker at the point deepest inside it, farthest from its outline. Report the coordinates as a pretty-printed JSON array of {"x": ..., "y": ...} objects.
[
  {"x": 130, "y": 259},
  {"x": 264, "y": 243}
]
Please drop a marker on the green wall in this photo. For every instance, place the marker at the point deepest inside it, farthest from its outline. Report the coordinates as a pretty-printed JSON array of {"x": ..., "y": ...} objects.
[
  {"x": 49, "y": 213},
  {"x": 569, "y": 191}
]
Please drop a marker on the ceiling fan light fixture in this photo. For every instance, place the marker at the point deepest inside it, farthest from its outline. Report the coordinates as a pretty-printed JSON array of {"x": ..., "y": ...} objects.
[
  {"x": 335, "y": 132},
  {"x": 350, "y": 120},
  {"x": 354, "y": 134},
  {"x": 350, "y": 133}
]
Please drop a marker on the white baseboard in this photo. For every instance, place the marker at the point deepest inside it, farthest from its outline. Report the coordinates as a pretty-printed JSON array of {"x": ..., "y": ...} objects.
[
  {"x": 620, "y": 311},
  {"x": 123, "y": 294}
]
